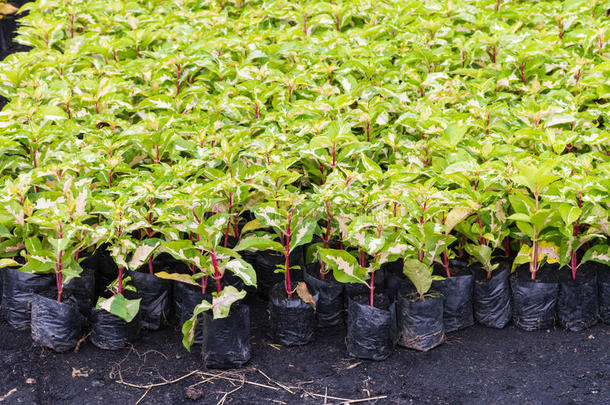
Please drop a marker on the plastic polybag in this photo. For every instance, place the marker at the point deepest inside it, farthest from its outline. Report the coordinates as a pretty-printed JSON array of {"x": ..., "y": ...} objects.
[
  {"x": 110, "y": 332},
  {"x": 265, "y": 263},
  {"x": 292, "y": 321},
  {"x": 458, "y": 309},
  {"x": 354, "y": 289},
  {"x": 82, "y": 290},
  {"x": 329, "y": 308},
  {"x": 155, "y": 307},
  {"x": 186, "y": 298},
  {"x": 56, "y": 325},
  {"x": 577, "y": 304},
  {"x": 226, "y": 341},
  {"x": 603, "y": 289},
  {"x": 534, "y": 301},
  {"x": 420, "y": 322},
  {"x": 491, "y": 297},
  {"x": 17, "y": 291},
  {"x": 371, "y": 331}
]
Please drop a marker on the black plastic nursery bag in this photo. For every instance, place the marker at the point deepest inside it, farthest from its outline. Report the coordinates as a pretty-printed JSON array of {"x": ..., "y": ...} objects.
[
  {"x": 577, "y": 304},
  {"x": 226, "y": 341},
  {"x": 491, "y": 298},
  {"x": 458, "y": 310},
  {"x": 56, "y": 325},
  {"x": 371, "y": 331},
  {"x": 155, "y": 306},
  {"x": 110, "y": 332},
  {"x": 292, "y": 321},
  {"x": 420, "y": 322},
  {"x": 82, "y": 290},
  {"x": 534, "y": 301},
  {"x": 329, "y": 308},
  {"x": 603, "y": 288},
  {"x": 186, "y": 298},
  {"x": 17, "y": 295}
]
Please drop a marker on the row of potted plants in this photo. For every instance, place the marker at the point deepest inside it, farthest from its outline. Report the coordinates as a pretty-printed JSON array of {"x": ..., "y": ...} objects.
[{"x": 431, "y": 149}]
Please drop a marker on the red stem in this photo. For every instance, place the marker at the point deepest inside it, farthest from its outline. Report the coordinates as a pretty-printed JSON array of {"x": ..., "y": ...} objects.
[
  {"x": 120, "y": 280},
  {"x": 216, "y": 272},
  {"x": 287, "y": 284}
]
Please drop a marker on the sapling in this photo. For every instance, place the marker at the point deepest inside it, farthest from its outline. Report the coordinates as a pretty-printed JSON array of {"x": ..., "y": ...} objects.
[
  {"x": 291, "y": 220},
  {"x": 534, "y": 216}
]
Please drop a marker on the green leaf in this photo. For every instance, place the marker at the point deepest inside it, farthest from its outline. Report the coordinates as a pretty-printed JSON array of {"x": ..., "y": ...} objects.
[
  {"x": 259, "y": 243},
  {"x": 183, "y": 278},
  {"x": 221, "y": 303},
  {"x": 119, "y": 306},
  {"x": 243, "y": 270},
  {"x": 345, "y": 267},
  {"x": 419, "y": 273}
]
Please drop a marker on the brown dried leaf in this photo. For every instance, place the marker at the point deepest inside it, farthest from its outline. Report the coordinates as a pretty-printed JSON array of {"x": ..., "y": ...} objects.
[{"x": 305, "y": 295}]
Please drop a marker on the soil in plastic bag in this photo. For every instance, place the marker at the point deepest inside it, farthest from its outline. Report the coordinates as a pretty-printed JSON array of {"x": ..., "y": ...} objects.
[
  {"x": 577, "y": 305},
  {"x": 17, "y": 295},
  {"x": 353, "y": 289},
  {"x": 265, "y": 263},
  {"x": 292, "y": 321},
  {"x": 371, "y": 330},
  {"x": 329, "y": 308},
  {"x": 603, "y": 289},
  {"x": 457, "y": 290},
  {"x": 56, "y": 325},
  {"x": 109, "y": 332},
  {"x": 534, "y": 301},
  {"x": 186, "y": 298},
  {"x": 82, "y": 290},
  {"x": 155, "y": 307},
  {"x": 420, "y": 322},
  {"x": 226, "y": 341},
  {"x": 491, "y": 297}
]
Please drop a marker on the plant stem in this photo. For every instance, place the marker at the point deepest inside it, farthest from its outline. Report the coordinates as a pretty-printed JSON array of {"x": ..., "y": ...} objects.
[
  {"x": 216, "y": 272},
  {"x": 120, "y": 280},
  {"x": 287, "y": 284}
]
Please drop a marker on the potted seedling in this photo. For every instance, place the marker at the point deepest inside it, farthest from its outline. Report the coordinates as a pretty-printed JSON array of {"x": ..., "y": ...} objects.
[
  {"x": 318, "y": 276},
  {"x": 421, "y": 313},
  {"x": 115, "y": 320},
  {"x": 226, "y": 338},
  {"x": 577, "y": 306},
  {"x": 486, "y": 232},
  {"x": 291, "y": 223},
  {"x": 18, "y": 286},
  {"x": 371, "y": 317},
  {"x": 534, "y": 285}
]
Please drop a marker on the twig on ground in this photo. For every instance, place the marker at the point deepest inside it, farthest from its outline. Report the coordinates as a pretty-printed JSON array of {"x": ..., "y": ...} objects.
[
  {"x": 226, "y": 394},
  {"x": 80, "y": 341},
  {"x": 142, "y": 397},
  {"x": 279, "y": 384},
  {"x": 8, "y": 394},
  {"x": 235, "y": 379},
  {"x": 149, "y": 386}
]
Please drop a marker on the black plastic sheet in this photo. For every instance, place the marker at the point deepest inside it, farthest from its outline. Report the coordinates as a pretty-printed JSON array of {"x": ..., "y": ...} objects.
[
  {"x": 371, "y": 331},
  {"x": 155, "y": 292},
  {"x": 265, "y": 263},
  {"x": 56, "y": 325},
  {"x": 603, "y": 289},
  {"x": 458, "y": 308},
  {"x": 292, "y": 321},
  {"x": 226, "y": 341},
  {"x": 534, "y": 301},
  {"x": 420, "y": 322},
  {"x": 329, "y": 308},
  {"x": 186, "y": 298},
  {"x": 577, "y": 304},
  {"x": 82, "y": 290},
  {"x": 109, "y": 332},
  {"x": 17, "y": 291},
  {"x": 491, "y": 297}
]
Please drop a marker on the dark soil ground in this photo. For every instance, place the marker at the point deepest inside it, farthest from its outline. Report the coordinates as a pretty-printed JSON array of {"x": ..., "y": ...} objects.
[{"x": 476, "y": 366}]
